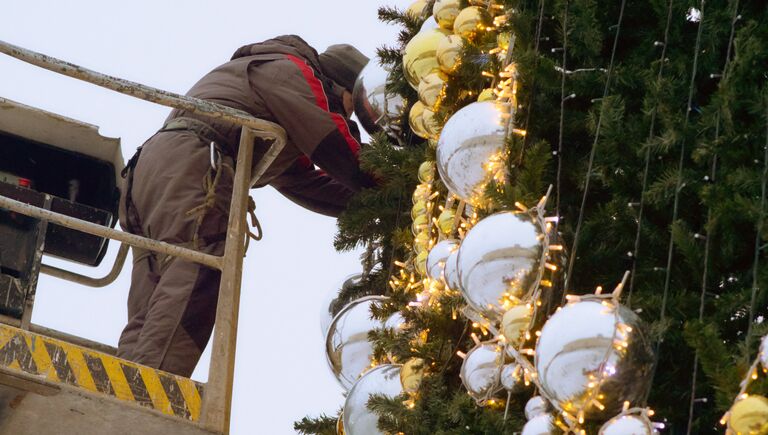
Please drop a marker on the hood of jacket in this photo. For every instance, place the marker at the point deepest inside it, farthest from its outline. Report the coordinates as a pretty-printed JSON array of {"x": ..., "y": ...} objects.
[{"x": 286, "y": 44}]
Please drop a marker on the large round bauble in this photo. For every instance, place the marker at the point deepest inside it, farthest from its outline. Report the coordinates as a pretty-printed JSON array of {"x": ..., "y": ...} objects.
[
  {"x": 429, "y": 24},
  {"x": 449, "y": 53},
  {"x": 420, "y": 56},
  {"x": 420, "y": 262},
  {"x": 375, "y": 107},
  {"x": 588, "y": 341},
  {"x": 536, "y": 406},
  {"x": 515, "y": 322},
  {"x": 422, "y": 193},
  {"x": 749, "y": 416},
  {"x": 481, "y": 371},
  {"x": 421, "y": 240},
  {"x": 347, "y": 347},
  {"x": 416, "y": 120},
  {"x": 382, "y": 380},
  {"x": 418, "y": 209},
  {"x": 438, "y": 256},
  {"x": 471, "y": 20},
  {"x": 418, "y": 9},
  {"x": 326, "y": 311},
  {"x": 445, "y": 12},
  {"x": 431, "y": 87},
  {"x": 472, "y": 137},
  {"x": 502, "y": 255},
  {"x": 451, "y": 273},
  {"x": 627, "y": 425},
  {"x": 540, "y": 425}
]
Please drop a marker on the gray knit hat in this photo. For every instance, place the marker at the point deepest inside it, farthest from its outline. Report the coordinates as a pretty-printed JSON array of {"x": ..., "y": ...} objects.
[{"x": 342, "y": 63}]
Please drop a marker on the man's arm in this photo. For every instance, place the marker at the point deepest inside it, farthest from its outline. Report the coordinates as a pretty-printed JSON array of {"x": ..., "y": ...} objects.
[
  {"x": 298, "y": 101},
  {"x": 313, "y": 189}
]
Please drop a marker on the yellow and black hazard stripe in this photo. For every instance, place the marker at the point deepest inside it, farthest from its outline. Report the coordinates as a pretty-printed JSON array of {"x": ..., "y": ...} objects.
[{"x": 61, "y": 362}]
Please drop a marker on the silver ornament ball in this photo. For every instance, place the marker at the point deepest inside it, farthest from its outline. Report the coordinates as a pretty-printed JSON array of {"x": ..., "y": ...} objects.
[
  {"x": 473, "y": 137},
  {"x": 382, "y": 380},
  {"x": 594, "y": 342},
  {"x": 376, "y": 108},
  {"x": 535, "y": 407},
  {"x": 627, "y": 425},
  {"x": 326, "y": 311},
  {"x": 438, "y": 256},
  {"x": 540, "y": 425},
  {"x": 764, "y": 352},
  {"x": 451, "y": 272},
  {"x": 347, "y": 348},
  {"x": 481, "y": 371},
  {"x": 500, "y": 256},
  {"x": 512, "y": 378}
]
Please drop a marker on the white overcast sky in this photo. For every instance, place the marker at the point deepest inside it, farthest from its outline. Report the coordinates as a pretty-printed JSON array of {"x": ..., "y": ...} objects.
[{"x": 281, "y": 369}]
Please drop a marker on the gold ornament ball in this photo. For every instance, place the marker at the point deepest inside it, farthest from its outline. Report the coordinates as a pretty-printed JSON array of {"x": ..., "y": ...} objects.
[
  {"x": 427, "y": 172},
  {"x": 416, "y": 120},
  {"x": 514, "y": 322},
  {"x": 470, "y": 21},
  {"x": 420, "y": 56},
  {"x": 421, "y": 262},
  {"x": 421, "y": 193},
  {"x": 421, "y": 241},
  {"x": 431, "y": 88},
  {"x": 419, "y": 224},
  {"x": 430, "y": 123},
  {"x": 418, "y": 9},
  {"x": 749, "y": 416},
  {"x": 445, "y": 221},
  {"x": 419, "y": 209},
  {"x": 486, "y": 95},
  {"x": 449, "y": 53},
  {"x": 445, "y": 12},
  {"x": 411, "y": 375}
]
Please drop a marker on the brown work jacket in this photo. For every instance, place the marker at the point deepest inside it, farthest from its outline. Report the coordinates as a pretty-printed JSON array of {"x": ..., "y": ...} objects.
[{"x": 280, "y": 80}]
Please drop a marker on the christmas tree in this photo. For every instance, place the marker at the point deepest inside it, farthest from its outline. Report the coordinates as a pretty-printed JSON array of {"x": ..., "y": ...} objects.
[{"x": 632, "y": 136}]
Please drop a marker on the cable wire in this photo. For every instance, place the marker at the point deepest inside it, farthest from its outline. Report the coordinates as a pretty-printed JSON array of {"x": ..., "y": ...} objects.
[{"x": 575, "y": 247}]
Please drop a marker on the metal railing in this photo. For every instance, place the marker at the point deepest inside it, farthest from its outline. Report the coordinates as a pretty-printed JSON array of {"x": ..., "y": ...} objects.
[{"x": 217, "y": 398}]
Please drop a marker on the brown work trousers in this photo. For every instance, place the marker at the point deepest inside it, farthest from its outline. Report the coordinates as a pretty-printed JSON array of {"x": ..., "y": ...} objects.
[{"x": 178, "y": 198}]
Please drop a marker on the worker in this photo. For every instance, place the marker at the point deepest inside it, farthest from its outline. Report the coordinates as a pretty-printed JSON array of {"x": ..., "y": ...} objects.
[{"x": 177, "y": 193}]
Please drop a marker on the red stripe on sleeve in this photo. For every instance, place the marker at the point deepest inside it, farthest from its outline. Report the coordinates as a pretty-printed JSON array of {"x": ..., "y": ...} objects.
[{"x": 322, "y": 101}]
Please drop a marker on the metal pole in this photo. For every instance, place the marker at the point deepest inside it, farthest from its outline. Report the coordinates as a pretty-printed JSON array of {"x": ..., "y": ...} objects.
[
  {"x": 217, "y": 400},
  {"x": 159, "y": 96},
  {"x": 102, "y": 231},
  {"x": 117, "y": 267}
]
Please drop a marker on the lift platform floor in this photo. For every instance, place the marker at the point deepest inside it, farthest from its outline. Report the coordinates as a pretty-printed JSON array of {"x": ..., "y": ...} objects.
[{"x": 51, "y": 386}]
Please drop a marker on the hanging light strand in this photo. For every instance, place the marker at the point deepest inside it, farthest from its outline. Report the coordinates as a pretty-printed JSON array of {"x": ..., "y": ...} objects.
[
  {"x": 590, "y": 168},
  {"x": 708, "y": 226},
  {"x": 563, "y": 99},
  {"x": 651, "y": 134},
  {"x": 678, "y": 188}
]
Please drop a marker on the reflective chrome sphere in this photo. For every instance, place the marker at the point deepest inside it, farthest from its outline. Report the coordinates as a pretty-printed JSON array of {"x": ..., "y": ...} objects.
[
  {"x": 481, "y": 371},
  {"x": 347, "y": 347},
  {"x": 395, "y": 321},
  {"x": 589, "y": 341},
  {"x": 449, "y": 53},
  {"x": 472, "y": 137},
  {"x": 451, "y": 272},
  {"x": 627, "y": 425},
  {"x": 374, "y": 106},
  {"x": 326, "y": 311},
  {"x": 445, "y": 12},
  {"x": 512, "y": 378},
  {"x": 501, "y": 255},
  {"x": 438, "y": 256},
  {"x": 535, "y": 407},
  {"x": 541, "y": 425},
  {"x": 382, "y": 380},
  {"x": 764, "y": 352}
]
